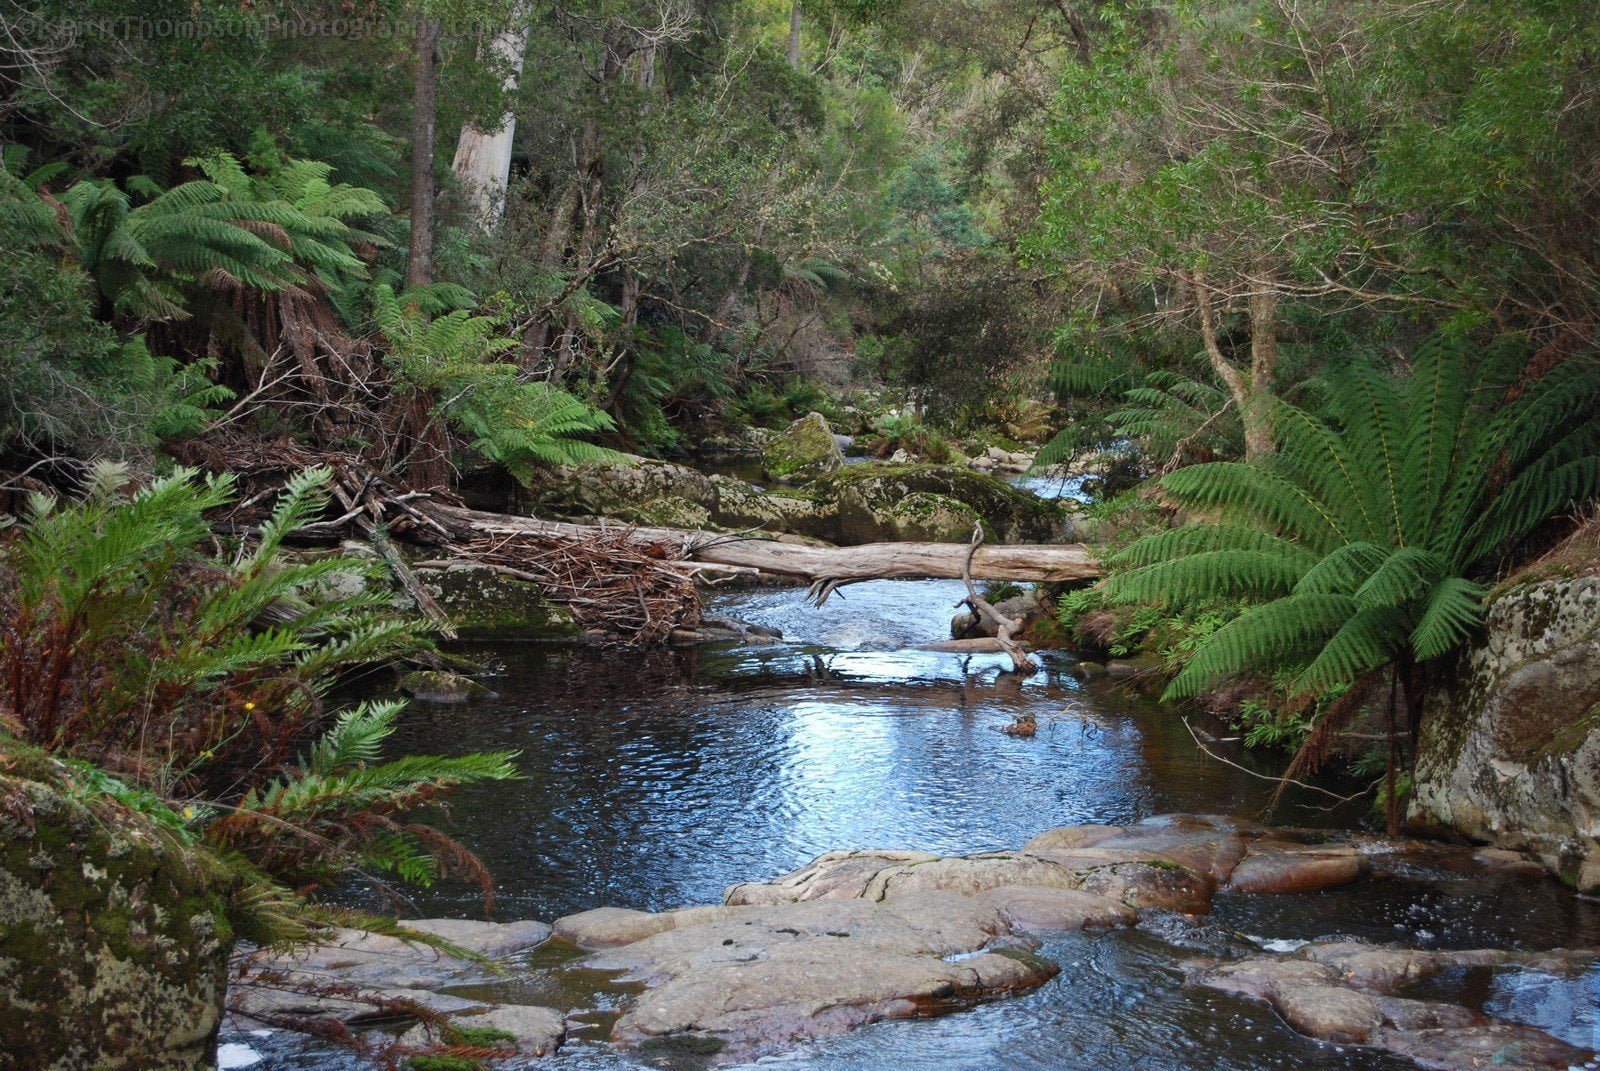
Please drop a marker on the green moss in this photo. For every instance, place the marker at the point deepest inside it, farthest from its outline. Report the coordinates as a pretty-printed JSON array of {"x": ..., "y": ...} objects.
[
  {"x": 483, "y": 603},
  {"x": 803, "y": 451},
  {"x": 1009, "y": 514},
  {"x": 117, "y": 927},
  {"x": 443, "y": 1063},
  {"x": 482, "y": 1037}
]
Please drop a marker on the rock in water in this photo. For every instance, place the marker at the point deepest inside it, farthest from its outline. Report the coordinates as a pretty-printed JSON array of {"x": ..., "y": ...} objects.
[
  {"x": 1340, "y": 992},
  {"x": 803, "y": 451}
]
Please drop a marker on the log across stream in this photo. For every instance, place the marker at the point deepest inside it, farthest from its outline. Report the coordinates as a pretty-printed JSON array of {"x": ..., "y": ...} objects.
[{"x": 755, "y": 553}]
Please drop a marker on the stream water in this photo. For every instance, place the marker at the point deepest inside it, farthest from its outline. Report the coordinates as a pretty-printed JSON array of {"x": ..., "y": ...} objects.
[{"x": 655, "y": 780}]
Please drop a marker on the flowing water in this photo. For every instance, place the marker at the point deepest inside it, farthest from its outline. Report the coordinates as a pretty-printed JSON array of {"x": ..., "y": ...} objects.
[{"x": 655, "y": 780}]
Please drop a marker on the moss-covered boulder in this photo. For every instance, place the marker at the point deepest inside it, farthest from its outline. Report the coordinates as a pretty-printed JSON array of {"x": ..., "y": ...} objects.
[
  {"x": 934, "y": 503},
  {"x": 484, "y": 603},
  {"x": 114, "y": 936},
  {"x": 803, "y": 451},
  {"x": 645, "y": 491}
]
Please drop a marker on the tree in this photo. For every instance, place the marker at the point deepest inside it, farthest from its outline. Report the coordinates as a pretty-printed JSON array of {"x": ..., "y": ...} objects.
[
  {"x": 1366, "y": 541},
  {"x": 424, "y": 123}
]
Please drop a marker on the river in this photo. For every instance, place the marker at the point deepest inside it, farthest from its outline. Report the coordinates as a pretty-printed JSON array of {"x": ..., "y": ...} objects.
[{"x": 655, "y": 780}]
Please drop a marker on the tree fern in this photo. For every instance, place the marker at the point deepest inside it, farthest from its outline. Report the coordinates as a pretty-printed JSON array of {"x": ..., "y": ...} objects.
[
  {"x": 520, "y": 423},
  {"x": 1373, "y": 527}
]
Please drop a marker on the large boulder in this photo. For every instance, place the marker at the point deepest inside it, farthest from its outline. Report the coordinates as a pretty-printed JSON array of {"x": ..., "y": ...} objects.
[
  {"x": 934, "y": 503},
  {"x": 803, "y": 451},
  {"x": 114, "y": 934},
  {"x": 1510, "y": 745},
  {"x": 639, "y": 490}
]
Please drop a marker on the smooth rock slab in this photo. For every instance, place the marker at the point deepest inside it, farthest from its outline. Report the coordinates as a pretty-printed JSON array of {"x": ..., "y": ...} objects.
[
  {"x": 351, "y": 974},
  {"x": 758, "y": 979},
  {"x": 1338, "y": 992}
]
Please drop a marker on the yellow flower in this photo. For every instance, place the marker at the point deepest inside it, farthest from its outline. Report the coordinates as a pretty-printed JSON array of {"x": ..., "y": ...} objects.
[
  {"x": 249, "y": 706},
  {"x": 188, "y": 812}
]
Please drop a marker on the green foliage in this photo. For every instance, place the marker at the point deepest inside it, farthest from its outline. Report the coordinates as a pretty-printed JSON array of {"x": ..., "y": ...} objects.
[
  {"x": 906, "y": 431},
  {"x": 452, "y": 359},
  {"x": 177, "y": 681},
  {"x": 68, "y": 383},
  {"x": 150, "y": 251},
  {"x": 1266, "y": 727},
  {"x": 1367, "y": 538}
]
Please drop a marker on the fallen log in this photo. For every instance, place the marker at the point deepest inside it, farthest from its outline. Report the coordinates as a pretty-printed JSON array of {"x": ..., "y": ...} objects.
[{"x": 819, "y": 564}]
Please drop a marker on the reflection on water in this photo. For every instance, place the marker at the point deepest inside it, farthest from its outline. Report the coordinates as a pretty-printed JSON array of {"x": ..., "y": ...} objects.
[{"x": 656, "y": 780}]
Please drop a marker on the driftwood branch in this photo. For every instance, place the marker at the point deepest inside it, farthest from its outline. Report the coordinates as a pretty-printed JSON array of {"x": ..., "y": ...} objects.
[{"x": 1005, "y": 627}]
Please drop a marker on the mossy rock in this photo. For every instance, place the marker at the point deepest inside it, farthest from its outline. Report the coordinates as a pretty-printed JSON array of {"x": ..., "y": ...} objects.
[
  {"x": 640, "y": 491},
  {"x": 483, "y": 603},
  {"x": 114, "y": 934},
  {"x": 803, "y": 451},
  {"x": 936, "y": 503}
]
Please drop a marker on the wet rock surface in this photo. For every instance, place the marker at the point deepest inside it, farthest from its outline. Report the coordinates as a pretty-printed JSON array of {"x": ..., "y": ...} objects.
[
  {"x": 1345, "y": 993},
  {"x": 858, "y": 936},
  {"x": 355, "y": 976}
]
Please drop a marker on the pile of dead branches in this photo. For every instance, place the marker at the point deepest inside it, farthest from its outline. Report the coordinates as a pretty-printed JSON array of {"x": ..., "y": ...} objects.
[{"x": 611, "y": 581}]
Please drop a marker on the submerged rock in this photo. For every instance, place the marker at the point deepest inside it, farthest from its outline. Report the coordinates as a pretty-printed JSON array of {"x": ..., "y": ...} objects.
[
  {"x": 441, "y": 686},
  {"x": 1341, "y": 993},
  {"x": 353, "y": 975},
  {"x": 1510, "y": 747}
]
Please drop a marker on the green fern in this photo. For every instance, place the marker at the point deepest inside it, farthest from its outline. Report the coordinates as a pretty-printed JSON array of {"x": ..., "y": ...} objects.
[
  {"x": 1372, "y": 530},
  {"x": 522, "y": 424}
]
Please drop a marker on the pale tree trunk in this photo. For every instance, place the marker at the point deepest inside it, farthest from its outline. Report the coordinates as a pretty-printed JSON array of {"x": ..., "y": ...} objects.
[
  {"x": 795, "y": 19},
  {"x": 424, "y": 116},
  {"x": 1252, "y": 392},
  {"x": 832, "y": 566},
  {"x": 1258, "y": 436},
  {"x": 482, "y": 162}
]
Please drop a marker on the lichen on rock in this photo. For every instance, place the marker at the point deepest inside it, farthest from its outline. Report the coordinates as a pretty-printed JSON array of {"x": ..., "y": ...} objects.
[
  {"x": 114, "y": 933},
  {"x": 1510, "y": 745},
  {"x": 803, "y": 451}
]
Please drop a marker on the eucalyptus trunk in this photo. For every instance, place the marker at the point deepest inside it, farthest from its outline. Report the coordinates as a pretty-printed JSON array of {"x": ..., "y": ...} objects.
[{"x": 424, "y": 121}]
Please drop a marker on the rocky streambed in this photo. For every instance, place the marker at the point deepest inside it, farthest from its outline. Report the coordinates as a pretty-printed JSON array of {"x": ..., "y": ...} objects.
[
  {"x": 860, "y": 936},
  {"x": 922, "y": 919}
]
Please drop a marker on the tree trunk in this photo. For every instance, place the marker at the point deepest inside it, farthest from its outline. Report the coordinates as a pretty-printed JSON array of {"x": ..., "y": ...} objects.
[
  {"x": 795, "y": 19},
  {"x": 1258, "y": 436},
  {"x": 1252, "y": 394},
  {"x": 482, "y": 162},
  {"x": 424, "y": 82}
]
